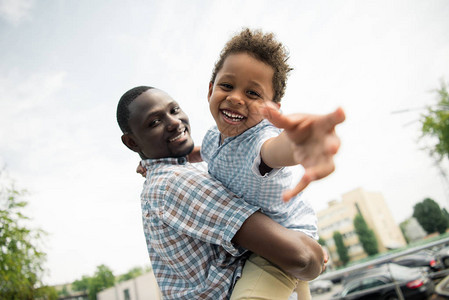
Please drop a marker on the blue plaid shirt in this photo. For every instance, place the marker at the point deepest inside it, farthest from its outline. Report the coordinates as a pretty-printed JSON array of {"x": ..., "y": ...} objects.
[
  {"x": 235, "y": 163},
  {"x": 189, "y": 220}
]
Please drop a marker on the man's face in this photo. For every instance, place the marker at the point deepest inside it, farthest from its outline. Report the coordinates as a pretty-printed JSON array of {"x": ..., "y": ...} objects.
[{"x": 159, "y": 127}]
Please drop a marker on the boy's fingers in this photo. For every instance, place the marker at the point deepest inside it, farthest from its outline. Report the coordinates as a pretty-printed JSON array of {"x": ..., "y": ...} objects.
[
  {"x": 303, "y": 183},
  {"x": 334, "y": 118},
  {"x": 322, "y": 170},
  {"x": 311, "y": 174},
  {"x": 273, "y": 115},
  {"x": 332, "y": 144}
]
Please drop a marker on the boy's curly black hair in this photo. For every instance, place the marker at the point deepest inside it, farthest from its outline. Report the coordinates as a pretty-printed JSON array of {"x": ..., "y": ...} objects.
[{"x": 263, "y": 47}]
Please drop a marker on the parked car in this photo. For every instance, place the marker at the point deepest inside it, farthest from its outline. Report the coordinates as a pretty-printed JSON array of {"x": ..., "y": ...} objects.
[
  {"x": 320, "y": 286},
  {"x": 443, "y": 256},
  {"x": 355, "y": 274},
  {"x": 420, "y": 259},
  {"x": 381, "y": 283}
]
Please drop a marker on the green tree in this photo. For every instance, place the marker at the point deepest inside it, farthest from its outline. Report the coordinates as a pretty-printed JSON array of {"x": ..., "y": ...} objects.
[
  {"x": 403, "y": 226},
  {"x": 341, "y": 248},
  {"x": 102, "y": 279},
  {"x": 21, "y": 260},
  {"x": 81, "y": 284},
  {"x": 445, "y": 215},
  {"x": 435, "y": 123},
  {"x": 366, "y": 235},
  {"x": 133, "y": 273},
  {"x": 430, "y": 216},
  {"x": 321, "y": 241}
]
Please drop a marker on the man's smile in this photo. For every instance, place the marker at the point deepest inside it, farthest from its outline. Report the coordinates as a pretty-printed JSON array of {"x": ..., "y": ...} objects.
[{"x": 180, "y": 136}]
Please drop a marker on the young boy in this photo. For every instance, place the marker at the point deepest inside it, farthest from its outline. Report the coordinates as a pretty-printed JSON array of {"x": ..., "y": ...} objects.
[
  {"x": 248, "y": 154},
  {"x": 195, "y": 229}
]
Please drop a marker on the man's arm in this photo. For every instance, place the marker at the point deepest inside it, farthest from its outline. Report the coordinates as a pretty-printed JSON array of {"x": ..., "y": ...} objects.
[{"x": 293, "y": 251}]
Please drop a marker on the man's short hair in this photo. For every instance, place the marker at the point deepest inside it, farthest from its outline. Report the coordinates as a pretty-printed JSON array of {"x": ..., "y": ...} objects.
[{"x": 123, "y": 104}]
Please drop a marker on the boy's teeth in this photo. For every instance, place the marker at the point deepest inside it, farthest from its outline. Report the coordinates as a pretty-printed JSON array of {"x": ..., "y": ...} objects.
[{"x": 232, "y": 115}]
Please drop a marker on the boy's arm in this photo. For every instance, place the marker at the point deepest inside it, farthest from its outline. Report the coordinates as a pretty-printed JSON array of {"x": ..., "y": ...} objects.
[
  {"x": 309, "y": 140},
  {"x": 293, "y": 251}
]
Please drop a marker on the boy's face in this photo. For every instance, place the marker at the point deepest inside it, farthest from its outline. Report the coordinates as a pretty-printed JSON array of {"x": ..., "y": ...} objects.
[
  {"x": 241, "y": 87},
  {"x": 159, "y": 127}
]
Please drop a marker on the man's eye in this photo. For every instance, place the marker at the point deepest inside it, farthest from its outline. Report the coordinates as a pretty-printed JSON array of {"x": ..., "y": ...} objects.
[
  {"x": 176, "y": 110},
  {"x": 154, "y": 123}
]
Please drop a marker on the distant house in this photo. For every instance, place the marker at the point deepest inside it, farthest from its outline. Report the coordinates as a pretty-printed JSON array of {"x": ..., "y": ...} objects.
[
  {"x": 339, "y": 216},
  {"x": 143, "y": 287},
  {"x": 412, "y": 230}
]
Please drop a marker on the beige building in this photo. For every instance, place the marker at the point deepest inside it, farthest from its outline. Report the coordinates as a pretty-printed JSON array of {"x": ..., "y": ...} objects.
[
  {"x": 143, "y": 287},
  {"x": 339, "y": 217}
]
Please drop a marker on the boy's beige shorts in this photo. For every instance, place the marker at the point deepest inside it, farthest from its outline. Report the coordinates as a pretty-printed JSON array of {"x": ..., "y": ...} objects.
[{"x": 262, "y": 280}]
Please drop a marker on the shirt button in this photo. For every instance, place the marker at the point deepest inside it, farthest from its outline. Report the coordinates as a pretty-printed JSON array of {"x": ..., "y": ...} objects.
[{"x": 182, "y": 160}]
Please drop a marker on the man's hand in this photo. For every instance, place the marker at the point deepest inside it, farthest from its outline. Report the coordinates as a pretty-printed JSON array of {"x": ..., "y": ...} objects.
[
  {"x": 141, "y": 170},
  {"x": 326, "y": 259},
  {"x": 195, "y": 155},
  {"x": 310, "y": 140}
]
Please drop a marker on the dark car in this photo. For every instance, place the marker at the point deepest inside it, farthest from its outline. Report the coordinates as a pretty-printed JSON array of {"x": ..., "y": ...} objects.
[
  {"x": 381, "y": 283},
  {"x": 420, "y": 259},
  {"x": 355, "y": 274},
  {"x": 443, "y": 256}
]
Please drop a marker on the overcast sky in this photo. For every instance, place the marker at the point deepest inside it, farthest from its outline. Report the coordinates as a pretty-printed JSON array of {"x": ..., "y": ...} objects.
[{"x": 65, "y": 64}]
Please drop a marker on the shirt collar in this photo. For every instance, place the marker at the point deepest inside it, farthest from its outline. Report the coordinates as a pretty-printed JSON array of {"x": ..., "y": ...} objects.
[
  {"x": 245, "y": 133},
  {"x": 164, "y": 161}
]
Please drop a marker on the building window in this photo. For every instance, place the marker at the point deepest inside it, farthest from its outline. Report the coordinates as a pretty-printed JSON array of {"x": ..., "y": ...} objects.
[{"x": 126, "y": 295}]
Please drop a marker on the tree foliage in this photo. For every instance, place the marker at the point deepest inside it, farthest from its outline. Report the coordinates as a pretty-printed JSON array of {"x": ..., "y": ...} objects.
[
  {"x": 321, "y": 241},
  {"x": 366, "y": 235},
  {"x": 435, "y": 123},
  {"x": 102, "y": 279},
  {"x": 341, "y": 248},
  {"x": 430, "y": 216},
  {"x": 21, "y": 261},
  {"x": 133, "y": 273}
]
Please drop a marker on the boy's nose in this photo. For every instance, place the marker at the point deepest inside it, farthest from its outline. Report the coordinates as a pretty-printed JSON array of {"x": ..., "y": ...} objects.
[{"x": 235, "y": 99}]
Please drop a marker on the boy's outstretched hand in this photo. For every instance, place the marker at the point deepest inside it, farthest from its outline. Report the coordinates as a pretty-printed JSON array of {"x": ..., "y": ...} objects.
[{"x": 309, "y": 140}]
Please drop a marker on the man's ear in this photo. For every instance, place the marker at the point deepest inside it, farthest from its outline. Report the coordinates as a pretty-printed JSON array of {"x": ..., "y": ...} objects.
[
  {"x": 129, "y": 142},
  {"x": 211, "y": 88}
]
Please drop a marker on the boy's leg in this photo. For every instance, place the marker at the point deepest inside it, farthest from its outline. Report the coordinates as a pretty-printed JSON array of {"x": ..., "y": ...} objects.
[
  {"x": 303, "y": 291},
  {"x": 262, "y": 280}
]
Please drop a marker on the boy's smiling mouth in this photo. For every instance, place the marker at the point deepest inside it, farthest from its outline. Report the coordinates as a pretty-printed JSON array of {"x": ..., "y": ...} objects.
[{"x": 232, "y": 116}]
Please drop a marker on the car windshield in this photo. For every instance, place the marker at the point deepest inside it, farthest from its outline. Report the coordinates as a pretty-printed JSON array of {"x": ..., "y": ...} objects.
[{"x": 402, "y": 273}]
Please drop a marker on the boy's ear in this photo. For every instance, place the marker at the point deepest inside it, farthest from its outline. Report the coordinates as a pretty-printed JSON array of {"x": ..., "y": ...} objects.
[
  {"x": 129, "y": 142},
  {"x": 211, "y": 88}
]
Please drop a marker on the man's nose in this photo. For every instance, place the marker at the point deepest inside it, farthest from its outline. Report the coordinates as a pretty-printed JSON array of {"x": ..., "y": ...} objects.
[{"x": 173, "y": 123}]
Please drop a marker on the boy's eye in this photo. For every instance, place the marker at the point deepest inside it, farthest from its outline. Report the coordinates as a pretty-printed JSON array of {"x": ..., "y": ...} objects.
[
  {"x": 226, "y": 86},
  {"x": 253, "y": 94}
]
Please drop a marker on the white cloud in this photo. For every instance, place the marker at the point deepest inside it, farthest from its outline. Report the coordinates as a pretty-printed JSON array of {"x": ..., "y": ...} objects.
[{"x": 16, "y": 11}]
